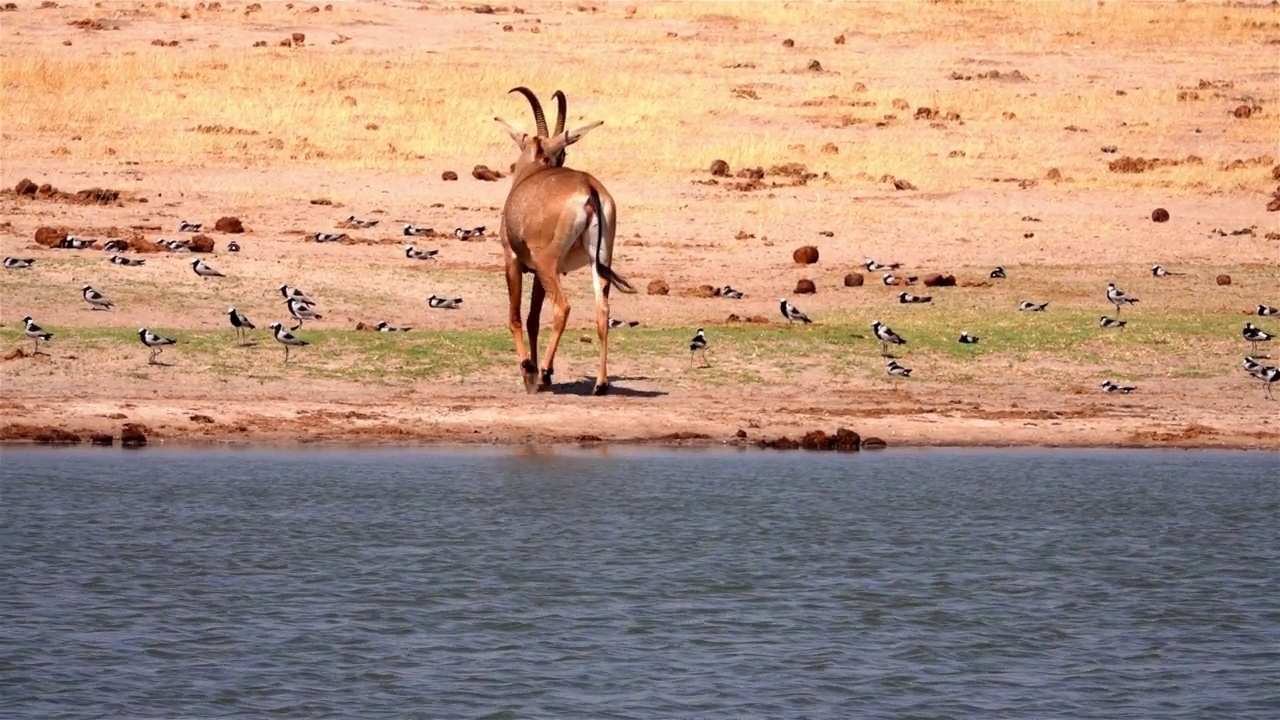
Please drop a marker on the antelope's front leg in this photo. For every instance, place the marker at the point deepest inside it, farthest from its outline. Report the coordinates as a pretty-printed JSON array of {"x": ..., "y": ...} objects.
[{"x": 515, "y": 290}]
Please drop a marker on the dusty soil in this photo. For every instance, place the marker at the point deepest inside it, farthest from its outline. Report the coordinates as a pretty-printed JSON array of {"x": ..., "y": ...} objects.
[{"x": 1088, "y": 229}]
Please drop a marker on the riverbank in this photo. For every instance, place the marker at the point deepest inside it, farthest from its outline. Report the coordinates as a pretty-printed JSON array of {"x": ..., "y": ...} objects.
[{"x": 508, "y": 417}]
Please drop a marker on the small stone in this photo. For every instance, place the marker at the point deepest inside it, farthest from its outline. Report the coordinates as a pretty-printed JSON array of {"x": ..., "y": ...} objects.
[
  {"x": 1159, "y": 215},
  {"x": 720, "y": 168},
  {"x": 805, "y": 287},
  {"x": 853, "y": 279},
  {"x": 874, "y": 443},
  {"x": 1224, "y": 279},
  {"x": 788, "y": 43},
  {"x": 25, "y": 187},
  {"x": 449, "y": 176}
]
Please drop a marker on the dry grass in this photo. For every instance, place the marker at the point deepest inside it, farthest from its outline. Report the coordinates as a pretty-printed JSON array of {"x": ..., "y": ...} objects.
[{"x": 670, "y": 99}]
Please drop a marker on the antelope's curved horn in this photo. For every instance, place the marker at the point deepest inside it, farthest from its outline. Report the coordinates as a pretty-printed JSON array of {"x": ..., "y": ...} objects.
[
  {"x": 561, "y": 106},
  {"x": 538, "y": 117}
]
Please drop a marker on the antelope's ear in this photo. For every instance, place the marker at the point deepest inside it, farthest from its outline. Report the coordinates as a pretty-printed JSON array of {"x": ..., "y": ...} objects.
[
  {"x": 558, "y": 143},
  {"x": 519, "y": 136}
]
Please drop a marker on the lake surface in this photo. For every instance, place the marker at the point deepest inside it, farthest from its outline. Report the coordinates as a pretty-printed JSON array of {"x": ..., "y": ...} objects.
[{"x": 639, "y": 584}]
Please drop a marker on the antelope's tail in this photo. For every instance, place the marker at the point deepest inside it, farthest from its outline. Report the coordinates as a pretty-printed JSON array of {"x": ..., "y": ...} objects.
[{"x": 603, "y": 270}]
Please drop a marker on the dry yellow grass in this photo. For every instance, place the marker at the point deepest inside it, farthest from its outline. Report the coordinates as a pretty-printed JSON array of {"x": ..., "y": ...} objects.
[
  {"x": 215, "y": 126},
  {"x": 671, "y": 100}
]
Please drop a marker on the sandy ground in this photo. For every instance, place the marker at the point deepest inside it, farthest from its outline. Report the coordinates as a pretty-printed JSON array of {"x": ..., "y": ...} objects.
[{"x": 1191, "y": 390}]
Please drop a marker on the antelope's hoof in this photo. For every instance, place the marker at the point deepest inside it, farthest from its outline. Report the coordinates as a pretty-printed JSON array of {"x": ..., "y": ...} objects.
[
  {"x": 601, "y": 389},
  {"x": 544, "y": 381}
]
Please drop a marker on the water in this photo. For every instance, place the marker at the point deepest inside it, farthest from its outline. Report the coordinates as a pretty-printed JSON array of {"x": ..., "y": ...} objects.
[{"x": 639, "y": 584}]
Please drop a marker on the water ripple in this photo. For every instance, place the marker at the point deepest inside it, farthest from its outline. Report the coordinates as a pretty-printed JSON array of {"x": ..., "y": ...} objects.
[{"x": 930, "y": 584}]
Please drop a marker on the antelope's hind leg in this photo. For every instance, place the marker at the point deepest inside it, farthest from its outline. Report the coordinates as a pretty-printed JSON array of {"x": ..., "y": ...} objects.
[
  {"x": 601, "y": 287},
  {"x": 533, "y": 380},
  {"x": 515, "y": 289}
]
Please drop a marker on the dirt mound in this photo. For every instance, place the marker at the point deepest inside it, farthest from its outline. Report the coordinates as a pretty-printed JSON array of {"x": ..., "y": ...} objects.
[
  {"x": 702, "y": 291},
  {"x": 659, "y": 287},
  {"x": 50, "y": 237},
  {"x": 41, "y": 434},
  {"x": 201, "y": 244},
  {"x": 939, "y": 280},
  {"x": 229, "y": 225},
  {"x": 854, "y": 279},
  {"x": 805, "y": 286},
  {"x": 805, "y": 255}
]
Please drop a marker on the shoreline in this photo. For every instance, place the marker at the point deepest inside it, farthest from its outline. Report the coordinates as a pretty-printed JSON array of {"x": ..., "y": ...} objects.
[{"x": 911, "y": 432}]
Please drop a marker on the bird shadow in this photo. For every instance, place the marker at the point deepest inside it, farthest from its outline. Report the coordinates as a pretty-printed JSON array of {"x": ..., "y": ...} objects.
[
  {"x": 161, "y": 363},
  {"x": 246, "y": 345},
  {"x": 585, "y": 386}
]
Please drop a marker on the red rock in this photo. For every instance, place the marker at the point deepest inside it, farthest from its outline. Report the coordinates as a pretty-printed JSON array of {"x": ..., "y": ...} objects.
[{"x": 805, "y": 287}]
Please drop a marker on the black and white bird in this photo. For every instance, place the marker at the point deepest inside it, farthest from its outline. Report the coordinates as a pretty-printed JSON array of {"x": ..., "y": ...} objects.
[
  {"x": 155, "y": 342},
  {"x": 698, "y": 345},
  {"x": 462, "y": 234},
  {"x": 442, "y": 303},
  {"x": 14, "y": 263},
  {"x": 1269, "y": 376},
  {"x": 72, "y": 242},
  {"x": 301, "y": 312},
  {"x": 233, "y": 246},
  {"x": 791, "y": 312},
  {"x": 127, "y": 262},
  {"x": 997, "y": 274},
  {"x": 1252, "y": 366},
  {"x": 1158, "y": 271},
  {"x": 1255, "y": 335},
  {"x": 324, "y": 237},
  {"x": 728, "y": 292},
  {"x": 1110, "y": 387},
  {"x": 36, "y": 333},
  {"x": 907, "y": 298},
  {"x": 414, "y": 231},
  {"x": 180, "y": 246},
  {"x": 1028, "y": 306},
  {"x": 1111, "y": 323},
  {"x": 414, "y": 253},
  {"x": 891, "y": 279},
  {"x": 288, "y": 292},
  {"x": 886, "y": 336},
  {"x": 241, "y": 324},
  {"x": 115, "y": 246},
  {"x": 96, "y": 300},
  {"x": 204, "y": 270},
  {"x": 617, "y": 324},
  {"x": 286, "y": 338},
  {"x": 967, "y": 339},
  {"x": 1262, "y": 311},
  {"x": 384, "y": 326},
  {"x": 184, "y": 226},
  {"x": 873, "y": 266},
  {"x": 355, "y": 222},
  {"x": 1118, "y": 298},
  {"x": 893, "y": 368}
]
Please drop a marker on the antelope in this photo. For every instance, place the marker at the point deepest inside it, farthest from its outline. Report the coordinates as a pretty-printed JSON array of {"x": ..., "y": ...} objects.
[{"x": 555, "y": 220}]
